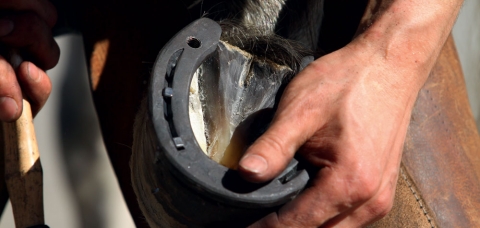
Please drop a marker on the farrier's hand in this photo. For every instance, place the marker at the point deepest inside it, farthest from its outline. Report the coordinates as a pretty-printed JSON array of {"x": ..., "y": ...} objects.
[
  {"x": 343, "y": 118},
  {"x": 347, "y": 113},
  {"x": 25, "y": 25}
]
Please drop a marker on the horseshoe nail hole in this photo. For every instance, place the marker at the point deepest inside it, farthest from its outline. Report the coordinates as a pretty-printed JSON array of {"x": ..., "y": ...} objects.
[{"x": 193, "y": 42}]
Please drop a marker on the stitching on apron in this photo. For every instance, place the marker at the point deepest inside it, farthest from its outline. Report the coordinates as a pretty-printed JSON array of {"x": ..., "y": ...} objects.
[{"x": 417, "y": 197}]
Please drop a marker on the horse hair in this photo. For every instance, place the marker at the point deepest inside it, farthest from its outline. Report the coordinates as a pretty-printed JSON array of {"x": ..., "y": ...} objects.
[
  {"x": 298, "y": 20},
  {"x": 274, "y": 31},
  {"x": 273, "y": 47}
]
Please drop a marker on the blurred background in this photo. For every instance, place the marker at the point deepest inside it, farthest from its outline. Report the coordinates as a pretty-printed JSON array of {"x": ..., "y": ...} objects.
[
  {"x": 467, "y": 38},
  {"x": 87, "y": 194},
  {"x": 68, "y": 135}
]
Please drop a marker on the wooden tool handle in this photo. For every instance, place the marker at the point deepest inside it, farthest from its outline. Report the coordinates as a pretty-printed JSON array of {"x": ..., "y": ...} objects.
[{"x": 23, "y": 171}]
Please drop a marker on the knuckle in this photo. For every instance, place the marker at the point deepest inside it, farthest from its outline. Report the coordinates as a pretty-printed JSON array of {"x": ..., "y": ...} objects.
[
  {"x": 273, "y": 142},
  {"x": 381, "y": 206},
  {"x": 363, "y": 188},
  {"x": 369, "y": 187}
]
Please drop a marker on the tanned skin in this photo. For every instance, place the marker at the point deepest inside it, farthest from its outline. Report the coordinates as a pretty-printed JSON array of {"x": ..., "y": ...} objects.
[{"x": 347, "y": 112}]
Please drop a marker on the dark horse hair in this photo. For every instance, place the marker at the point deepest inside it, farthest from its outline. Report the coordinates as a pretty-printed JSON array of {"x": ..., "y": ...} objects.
[
  {"x": 283, "y": 31},
  {"x": 273, "y": 47},
  {"x": 297, "y": 20}
]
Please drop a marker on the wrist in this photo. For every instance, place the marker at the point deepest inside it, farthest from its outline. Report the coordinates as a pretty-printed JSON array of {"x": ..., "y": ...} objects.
[{"x": 405, "y": 37}]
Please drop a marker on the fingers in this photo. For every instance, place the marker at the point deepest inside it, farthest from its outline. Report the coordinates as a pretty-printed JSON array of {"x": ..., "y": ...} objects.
[
  {"x": 310, "y": 209},
  {"x": 336, "y": 200},
  {"x": 358, "y": 217},
  {"x": 369, "y": 213},
  {"x": 32, "y": 36},
  {"x": 10, "y": 93},
  {"x": 43, "y": 8},
  {"x": 313, "y": 208},
  {"x": 36, "y": 85},
  {"x": 270, "y": 153},
  {"x": 290, "y": 128},
  {"x": 25, "y": 26}
]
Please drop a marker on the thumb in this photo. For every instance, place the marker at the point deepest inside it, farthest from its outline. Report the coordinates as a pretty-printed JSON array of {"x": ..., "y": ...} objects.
[{"x": 268, "y": 156}]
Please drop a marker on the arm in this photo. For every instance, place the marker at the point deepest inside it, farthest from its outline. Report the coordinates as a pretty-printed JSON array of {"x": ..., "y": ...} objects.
[
  {"x": 347, "y": 113},
  {"x": 407, "y": 34}
]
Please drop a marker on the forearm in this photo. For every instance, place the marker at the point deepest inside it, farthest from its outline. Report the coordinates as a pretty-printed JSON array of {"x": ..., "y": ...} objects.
[{"x": 406, "y": 35}]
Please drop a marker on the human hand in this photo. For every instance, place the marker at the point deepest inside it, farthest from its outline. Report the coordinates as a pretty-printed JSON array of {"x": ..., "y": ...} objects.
[
  {"x": 25, "y": 26},
  {"x": 347, "y": 114}
]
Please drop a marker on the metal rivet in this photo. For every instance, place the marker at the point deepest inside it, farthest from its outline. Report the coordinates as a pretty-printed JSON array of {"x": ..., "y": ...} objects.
[
  {"x": 168, "y": 92},
  {"x": 178, "y": 143}
]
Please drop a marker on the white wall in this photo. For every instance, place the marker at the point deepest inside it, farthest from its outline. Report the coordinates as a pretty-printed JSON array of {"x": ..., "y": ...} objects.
[{"x": 467, "y": 38}]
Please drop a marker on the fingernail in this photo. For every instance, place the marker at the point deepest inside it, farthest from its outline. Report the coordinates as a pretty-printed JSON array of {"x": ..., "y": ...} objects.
[
  {"x": 33, "y": 73},
  {"x": 6, "y": 27},
  {"x": 8, "y": 109},
  {"x": 254, "y": 163}
]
